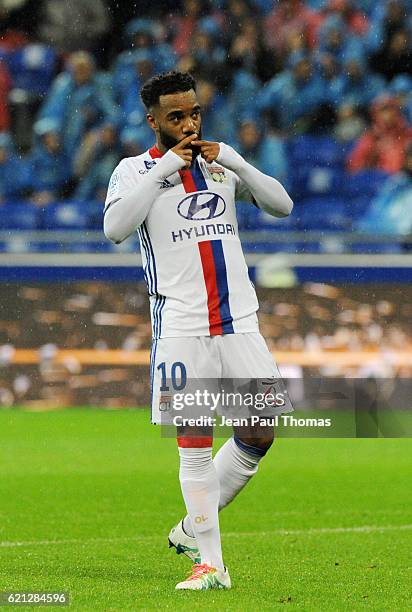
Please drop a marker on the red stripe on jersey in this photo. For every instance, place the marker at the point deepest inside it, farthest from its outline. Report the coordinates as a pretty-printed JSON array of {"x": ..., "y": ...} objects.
[
  {"x": 154, "y": 152},
  {"x": 209, "y": 274},
  {"x": 187, "y": 180},
  {"x": 195, "y": 441}
]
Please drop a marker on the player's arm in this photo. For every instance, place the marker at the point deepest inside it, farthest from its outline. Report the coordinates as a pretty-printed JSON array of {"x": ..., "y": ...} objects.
[
  {"x": 267, "y": 192},
  {"x": 125, "y": 213}
]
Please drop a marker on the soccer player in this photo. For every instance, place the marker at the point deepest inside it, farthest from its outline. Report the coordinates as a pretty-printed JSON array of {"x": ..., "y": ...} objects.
[{"x": 180, "y": 197}]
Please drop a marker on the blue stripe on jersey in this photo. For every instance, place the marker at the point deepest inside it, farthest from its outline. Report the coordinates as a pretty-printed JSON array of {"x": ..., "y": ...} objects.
[
  {"x": 144, "y": 267},
  {"x": 151, "y": 282},
  {"x": 148, "y": 273},
  {"x": 197, "y": 176},
  {"x": 160, "y": 299},
  {"x": 146, "y": 233},
  {"x": 157, "y": 315},
  {"x": 222, "y": 287},
  {"x": 162, "y": 303}
]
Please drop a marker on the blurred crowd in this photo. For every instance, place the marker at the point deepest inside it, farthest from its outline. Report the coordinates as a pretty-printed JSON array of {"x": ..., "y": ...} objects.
[
  {"x": 267, "y": 71},
  {"x": 103, "y": 316}
]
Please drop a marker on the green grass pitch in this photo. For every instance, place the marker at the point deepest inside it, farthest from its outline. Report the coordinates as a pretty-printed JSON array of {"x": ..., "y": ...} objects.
[{"x": 87, "y": 498}]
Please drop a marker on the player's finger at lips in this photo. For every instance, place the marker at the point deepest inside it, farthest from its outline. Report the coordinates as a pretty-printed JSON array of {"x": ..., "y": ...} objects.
[{"x": 189, "y": 139}]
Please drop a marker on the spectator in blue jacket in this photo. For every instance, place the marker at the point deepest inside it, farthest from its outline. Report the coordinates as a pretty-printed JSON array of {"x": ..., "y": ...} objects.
[
  {"x": 133, "y": 110},
  {"x": 329, "y": 68},
  {"x": 263, "y": 149},
  {"x": 148, "y": 34},
  {"x": 131, "y": 144},
  {"x": 388, "y": 17},
  {"x": 217, "y": 121},
  {"x": 400, "y": 88},
  {"x": 143, "y": 38},
  {"x": 94, "y": 162},
  {"x": 242, "y": 95},
  {"x": 80, "y": 100},
  {"x": 13, "y": 170},
  {"x": 297, "y": 94},
  {"x": 356, "y": 85},
  {"x": 391, "y": 211},
  {"x": 336, "y": 39},
  {"x": 48, "y": 165}
]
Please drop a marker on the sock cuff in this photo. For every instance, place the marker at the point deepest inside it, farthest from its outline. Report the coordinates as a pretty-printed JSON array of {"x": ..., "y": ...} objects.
[
  {"x": 195, "y": 441},
  {"x": 249, "y": 449}
]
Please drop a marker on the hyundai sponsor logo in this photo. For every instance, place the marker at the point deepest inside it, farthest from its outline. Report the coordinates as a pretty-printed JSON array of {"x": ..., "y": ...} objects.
[{"x": 201, "y": 206}]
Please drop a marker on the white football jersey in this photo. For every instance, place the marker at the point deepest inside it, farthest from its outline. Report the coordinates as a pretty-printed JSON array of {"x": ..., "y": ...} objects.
[{"x": 195, "y": 270}]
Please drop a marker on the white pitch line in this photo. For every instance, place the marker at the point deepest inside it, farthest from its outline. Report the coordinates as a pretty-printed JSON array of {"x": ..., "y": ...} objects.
[{"x": 230, "y": 534}]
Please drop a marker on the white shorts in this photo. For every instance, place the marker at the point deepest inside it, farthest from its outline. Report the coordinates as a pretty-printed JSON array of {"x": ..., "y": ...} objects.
[{"x": 230, "y": 356}]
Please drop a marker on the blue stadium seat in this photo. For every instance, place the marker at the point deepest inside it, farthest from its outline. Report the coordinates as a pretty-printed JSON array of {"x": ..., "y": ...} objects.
[
  {"x": 18, "y": 215},
  {"x": 375, "y": 247},
  {"x": 47, "y": 247},
  {"x": 251, "y": 218},
  {"x": 65, "y": 215},
  {"x": 309, "y": 181},
  {"x": 316, "y": 151},
  {"x": 95, "y": 215},
  {"x": 32, "y": 67},
  {"x": 322, "y": 214},
  {"x": 269, "y": 247},
  {"x": 364, "y": 183},
  {"x": 356, "y": 207},
  {"x": 267, "y": 222}
]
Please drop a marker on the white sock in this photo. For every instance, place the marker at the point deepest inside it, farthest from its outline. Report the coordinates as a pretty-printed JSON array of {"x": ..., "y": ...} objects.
[
  {"x": 236, "y": 463},
  {"x": 200, "y": 488}
]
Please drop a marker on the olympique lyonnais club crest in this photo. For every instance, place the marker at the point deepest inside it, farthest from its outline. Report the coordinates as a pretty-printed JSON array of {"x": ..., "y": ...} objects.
[
  {"x": 217, "y": 174},
  {"x": 165, "y": 403}
]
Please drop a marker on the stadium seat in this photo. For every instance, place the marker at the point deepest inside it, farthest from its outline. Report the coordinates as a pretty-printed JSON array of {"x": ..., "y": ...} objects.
[
  {"x": 95, "y": 215},
  {"x": 267, "y": 222},
  {"x": 65, "y": 215},
  {"x": 32, "y": 68},
  {"x": 308, "y": 181},
  {"x": 18, "y": 215},
  {"x": 376, "y": 247},
  {"x": 266, "y": 246},
  {"x": 357, "y": 206},
  {"x": 364, "y": 183},
  {"x": 55, "y": 246},
  {"x": 316, "y": 151},
  {"x": 322, "y": 214}
]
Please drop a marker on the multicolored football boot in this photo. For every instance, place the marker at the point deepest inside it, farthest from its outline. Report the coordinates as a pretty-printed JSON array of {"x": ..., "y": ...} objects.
[
  {"x": 204, "y": 577},
  {"x": 184, "y": 543}
]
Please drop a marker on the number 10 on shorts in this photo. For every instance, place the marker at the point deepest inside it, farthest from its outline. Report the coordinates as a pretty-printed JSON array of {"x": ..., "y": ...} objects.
[{"x": 177, "y": 376}]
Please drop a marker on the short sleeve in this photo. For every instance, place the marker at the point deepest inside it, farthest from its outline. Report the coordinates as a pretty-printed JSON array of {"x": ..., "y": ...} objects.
[{"x": 122, "y": 181}]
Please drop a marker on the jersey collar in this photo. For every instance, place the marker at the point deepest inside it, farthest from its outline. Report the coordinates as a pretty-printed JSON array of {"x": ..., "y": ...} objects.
[{"x": 154, "y": 152}]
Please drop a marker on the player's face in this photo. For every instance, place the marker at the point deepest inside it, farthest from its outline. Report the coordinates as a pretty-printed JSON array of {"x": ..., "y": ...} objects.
[{"x": 176, "y": 117}]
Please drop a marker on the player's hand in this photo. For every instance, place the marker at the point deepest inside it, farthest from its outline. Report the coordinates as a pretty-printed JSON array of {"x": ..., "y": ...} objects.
[
  {"x": 183, "y": 151},
  {"x": 208, "y": 150}
]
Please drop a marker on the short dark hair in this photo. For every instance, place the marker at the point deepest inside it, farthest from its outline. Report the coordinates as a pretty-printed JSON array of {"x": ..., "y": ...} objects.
[{"x": 165, "y": 83}]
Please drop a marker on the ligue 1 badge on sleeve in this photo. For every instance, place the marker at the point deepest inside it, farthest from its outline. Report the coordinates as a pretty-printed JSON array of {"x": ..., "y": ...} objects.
[{"x": 114, "y": 184}]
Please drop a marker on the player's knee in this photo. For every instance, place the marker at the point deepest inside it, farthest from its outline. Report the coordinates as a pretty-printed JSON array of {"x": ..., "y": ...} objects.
[{"x": 262, "y": 442}]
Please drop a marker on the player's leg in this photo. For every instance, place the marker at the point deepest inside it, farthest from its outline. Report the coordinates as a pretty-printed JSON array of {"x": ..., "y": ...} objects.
[
  {"x": 237, "y": 461},
  {"x": 244, "y": 356},
  {"x": 200, "y": 488},
  {"x": 197, "y": 473}
]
